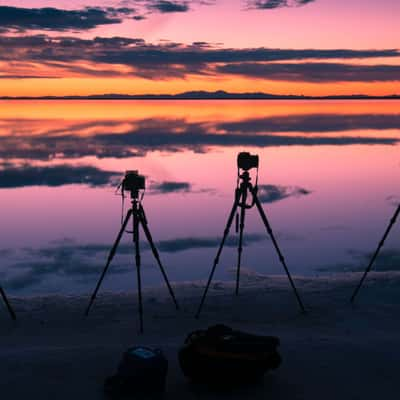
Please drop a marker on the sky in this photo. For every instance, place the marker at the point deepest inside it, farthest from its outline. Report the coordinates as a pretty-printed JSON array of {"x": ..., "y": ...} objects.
[{"x": 309, "y": 47}]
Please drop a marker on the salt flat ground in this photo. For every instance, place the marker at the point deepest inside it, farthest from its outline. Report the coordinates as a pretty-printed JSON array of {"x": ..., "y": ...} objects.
[{"x": 335, "y": 351}]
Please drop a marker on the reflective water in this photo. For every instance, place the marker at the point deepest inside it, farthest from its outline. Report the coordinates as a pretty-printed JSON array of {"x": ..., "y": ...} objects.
[{"x": 329, "y": 173}]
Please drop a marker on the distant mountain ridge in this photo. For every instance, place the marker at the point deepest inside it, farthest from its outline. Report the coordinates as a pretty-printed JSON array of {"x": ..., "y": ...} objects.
[{"x": 202, "y": 95}]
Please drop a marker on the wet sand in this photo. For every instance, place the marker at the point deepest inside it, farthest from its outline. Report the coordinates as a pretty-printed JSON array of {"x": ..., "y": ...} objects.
[{"x": 335, "y": 351}]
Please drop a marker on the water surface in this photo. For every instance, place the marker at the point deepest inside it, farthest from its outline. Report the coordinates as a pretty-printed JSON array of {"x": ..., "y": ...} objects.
[{"x": 329, "y": 173}]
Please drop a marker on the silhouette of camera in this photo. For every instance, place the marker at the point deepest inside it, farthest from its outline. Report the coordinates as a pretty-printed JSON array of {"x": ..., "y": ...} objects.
[
  {"x": 133, "y": 181},
  {"x": 247, "y": 161}
]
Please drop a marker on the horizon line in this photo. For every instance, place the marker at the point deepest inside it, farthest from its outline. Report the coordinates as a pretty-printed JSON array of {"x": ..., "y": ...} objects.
[{"x": 204, "y": 95}]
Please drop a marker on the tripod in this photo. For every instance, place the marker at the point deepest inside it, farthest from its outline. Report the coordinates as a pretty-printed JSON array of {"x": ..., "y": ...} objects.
[
  {"x": 7, "y": 303},
  {"x": 375, "y": 255},
  {"x": 241, "y": 194},
  {"x": 138, "y": 217}
]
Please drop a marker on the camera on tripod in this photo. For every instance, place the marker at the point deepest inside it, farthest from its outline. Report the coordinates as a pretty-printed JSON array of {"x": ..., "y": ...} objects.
[
  {"x": 135, "y": 184},
  {"x": 247, "y": 161},
  {"x": 133, "y": 181}
]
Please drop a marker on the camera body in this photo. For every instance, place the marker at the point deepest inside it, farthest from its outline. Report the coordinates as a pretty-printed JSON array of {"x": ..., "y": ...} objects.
[
  {"x": 247, "y": 161},
  {"x": 133, "y": 181}
]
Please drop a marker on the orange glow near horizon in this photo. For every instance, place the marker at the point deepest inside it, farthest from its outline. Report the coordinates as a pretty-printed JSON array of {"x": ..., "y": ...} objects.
[
  {"x": 191, "y": 110},
  {"x": 91, "y": 86},
  {"x": 67, "y": 61}
]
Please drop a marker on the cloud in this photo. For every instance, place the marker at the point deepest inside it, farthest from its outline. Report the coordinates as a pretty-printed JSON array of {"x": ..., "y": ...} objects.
[
  {"x": 272, "y": 4},
  {"x": 105, "y": 56},
  {"x": 54, "y": 19},
  {"x": 25, "y": 280},
  {"x": 165, "y": 6},
  {"x": 387, "y": 260},
  {"x": 184, "y": 244},
  {"x": 273, "y": 193},
  {"x": 68, "y": 259},
  {"x": 139, "y": 137},
  {"x": 10, "y": 76},
  {"x": 26, "y": 175},
  {"x": 314, "y": 72},
  {"x": 69, "y": 266},
  {"x": 200, "y": 140},
  {"x": 313, "y": 123},
  {"x": 20, "y": 19},
  {"x": 170, "y": 187},
  {"x": 268, "y": 4}
]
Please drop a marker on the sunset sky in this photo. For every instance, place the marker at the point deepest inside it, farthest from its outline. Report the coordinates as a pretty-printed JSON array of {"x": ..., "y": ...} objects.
[{"x": 310, "y": 47}]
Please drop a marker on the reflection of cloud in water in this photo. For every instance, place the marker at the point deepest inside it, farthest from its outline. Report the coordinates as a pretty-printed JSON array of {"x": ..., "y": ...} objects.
[
  {"x": 170, "y": 187},
  {"x": 121, "y": 139},
  {"x": 58, "y": 175},
  {"x": 68, "y": 259},
  {"x": 15, "y": 176},
  {"x": 314, "y": 123},
  {"x": 167, "y": 187},
  {"x": 387, "y": 260},
  {"x": 272, "y": 193}
]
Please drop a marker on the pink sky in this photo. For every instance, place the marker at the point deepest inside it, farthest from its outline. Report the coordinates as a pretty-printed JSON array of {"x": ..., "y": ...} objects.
[{"x": 322, "y": 24}]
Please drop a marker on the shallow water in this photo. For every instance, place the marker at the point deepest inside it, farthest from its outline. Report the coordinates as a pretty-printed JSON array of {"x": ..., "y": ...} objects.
[{"x": 328, "y": 182}]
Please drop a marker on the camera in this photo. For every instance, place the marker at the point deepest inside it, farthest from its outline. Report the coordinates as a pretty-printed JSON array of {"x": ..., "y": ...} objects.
[
  {"x": 133, "y": 181},
  {"x": 247, "y": 161}
]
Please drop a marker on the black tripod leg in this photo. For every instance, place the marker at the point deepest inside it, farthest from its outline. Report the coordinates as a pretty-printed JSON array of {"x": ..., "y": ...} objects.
[
  {"x": 240, "y": 247},
  {"x": 392, "y": 222},
  {"x": 226, "y": 232},
  {"x": 275, "y": 243},
  {"x": 138, "y": 272},
  {"x": 146, "y": 230},
  {"x": 110, "y": 257},
  {"x": 8, "y": 305}
]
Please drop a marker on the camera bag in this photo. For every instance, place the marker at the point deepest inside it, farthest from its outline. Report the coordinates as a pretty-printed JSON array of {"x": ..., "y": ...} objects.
[
  {"x": 223, "y": 355},
  {"x": 142, "y": 370}
]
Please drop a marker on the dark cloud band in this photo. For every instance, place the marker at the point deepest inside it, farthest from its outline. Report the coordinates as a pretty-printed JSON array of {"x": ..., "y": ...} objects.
[
  {"x": 314, "y": 72},
  {"x": 26, "y": 175},
  {"x": 166, "y": 60},
  {"x": 171, "y": 135},
  {"x": 273, "y": 4},
  {"x": 54, "y": 19},
  {"x": 170, "y": 187},
  {"x": 273, "y": 193},
  {"x": 165, "y": 6},
  {"x": 76, "y": 261},
  {"x": 314, "y": 123}
]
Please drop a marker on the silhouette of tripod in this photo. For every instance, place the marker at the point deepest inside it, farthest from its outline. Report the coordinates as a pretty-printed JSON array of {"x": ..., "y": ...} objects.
[
  {"x": 241, "y": 194},
  {"x": 7, "y": 303},
  {"x": 138, "y": 217},
  {"x": 375, "y": 255}
]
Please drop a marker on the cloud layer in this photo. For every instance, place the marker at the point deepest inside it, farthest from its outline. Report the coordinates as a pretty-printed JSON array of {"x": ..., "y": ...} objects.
[
  {"x": 273, "y": 193},
  {"x": 42, "y": 55},
  {"x": 170, "y": 187},
  {"x": 138, "y": 137},
  {"x": 273, "y": 4},
  {"x": 314, "y": 72},
  {"x": 165, "y": 6},
  {"x": 54, "y": 19},
  {"x": 27, "y": 175},
  {"x": 68, "y": 259}
]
